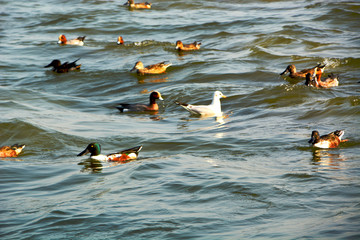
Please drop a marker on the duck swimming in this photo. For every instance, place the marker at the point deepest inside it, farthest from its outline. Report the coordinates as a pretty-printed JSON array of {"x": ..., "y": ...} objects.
[
  {"x": 157, "y": 68},
  {"x": 331, "y": 81},
  {"x": 310, "y": 81},
  {"x": 95, "y": 153},
  {"x": 214, "y": 109},
  {"x": 65, "y": 67},
  {"x": 291, "y": 69},
  {"x": 331, "y": 140},
  {"x": 152, "y": 106},
  {"x": 132, "y": 4},
  {"x": 120, "y": 40},
  {"x": 11, "y": 151},
  {"x": 77, "y": 41},
  {"x": 315, "y": 80},
  {"x": 187, "y": 47}
]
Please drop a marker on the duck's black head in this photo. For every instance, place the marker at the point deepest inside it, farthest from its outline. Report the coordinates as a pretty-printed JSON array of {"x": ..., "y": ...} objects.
[
  {"x": 315, "y": 136},
  {"x": 155, "y": 95},
  {"x": 339, "y": 133},
  {"x": 55, "y": 63}
]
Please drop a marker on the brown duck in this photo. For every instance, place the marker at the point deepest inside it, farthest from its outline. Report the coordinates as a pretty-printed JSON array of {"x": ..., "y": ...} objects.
[
  {"x": 157, "y": 68},
  {"x": 11, "y": 151},
  {"x": 132, "y": 4},
  {"x": 187, "y": 47},
  {"x": 315, "y": 80},
  {"x": 331, "y": 140},
  {"x": 137, "y": 107},
  {"x": 291, "y": 69}
]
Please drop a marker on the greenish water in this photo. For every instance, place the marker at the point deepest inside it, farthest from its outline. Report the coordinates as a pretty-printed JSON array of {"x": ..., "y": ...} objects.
[{"x": 251, "y": 176}]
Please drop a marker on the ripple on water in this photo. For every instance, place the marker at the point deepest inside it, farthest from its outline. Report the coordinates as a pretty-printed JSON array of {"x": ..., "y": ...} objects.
[{"x": 251, "y": 175}]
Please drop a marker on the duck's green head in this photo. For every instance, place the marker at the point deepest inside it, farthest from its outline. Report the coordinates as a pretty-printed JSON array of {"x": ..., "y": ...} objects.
[{"x": 93, "y": 148}]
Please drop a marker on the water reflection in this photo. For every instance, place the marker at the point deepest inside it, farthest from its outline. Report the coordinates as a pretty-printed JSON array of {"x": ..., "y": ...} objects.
[
  {"x": 152, "y": 79},
  {"x": 220, "y": 123},
  {"x": 152, "y": 115},
  {"x": 91, "y": 166},
  {"x": 12, "y": 159},
  {"x": 219, "y": 120},
  {"x": 95, "y": 166},
  {"x": 292, "y": 80},
  {"x": 326, "y": 158},
  {"x": 181, "y": 54}
]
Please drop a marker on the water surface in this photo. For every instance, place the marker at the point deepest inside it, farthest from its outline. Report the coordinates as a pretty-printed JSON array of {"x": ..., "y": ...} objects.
[{"x": 251, "y": 175}]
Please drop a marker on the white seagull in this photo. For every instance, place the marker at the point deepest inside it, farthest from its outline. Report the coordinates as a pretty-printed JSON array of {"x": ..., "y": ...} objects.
[{"x": 214, "y": 109}]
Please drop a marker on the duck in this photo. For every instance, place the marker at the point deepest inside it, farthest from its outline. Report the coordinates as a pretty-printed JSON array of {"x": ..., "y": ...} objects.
[
  {"x": 125, "y": 155},
  {"x": 11, "y": 151},
  {"x": 314, "y": 80},
  {"x": 65, "y": 67},
  {"x": 137, "y": 107},
  {"x": 331, "y": 140},
  {"x": 77, "y": 41},
  {"x": 214, "y": 109},
  {"x": 310, "y": 81},
  {"x": 120, "y": 40},
  {"x": 302, "y": 74},
  {"x": 187, "y": 47},
  {"x": 331, "y": 81},
  {"x": 132, "y": 4},
  {"x": 157, "y": 68}
]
